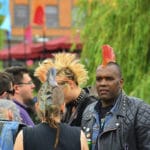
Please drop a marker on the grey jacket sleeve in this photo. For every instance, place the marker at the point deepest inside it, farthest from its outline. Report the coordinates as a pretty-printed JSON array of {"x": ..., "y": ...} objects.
[{"x": 142, "y": 127}]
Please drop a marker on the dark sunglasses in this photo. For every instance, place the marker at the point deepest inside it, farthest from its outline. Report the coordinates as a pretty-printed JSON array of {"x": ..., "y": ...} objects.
[{"x": 62, "y": 83}]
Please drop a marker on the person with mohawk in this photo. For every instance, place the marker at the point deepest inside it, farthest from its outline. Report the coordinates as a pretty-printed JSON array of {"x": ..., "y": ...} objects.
[
  {"x": 116, "y": 121},
  {"x": 71, "y": 75}
]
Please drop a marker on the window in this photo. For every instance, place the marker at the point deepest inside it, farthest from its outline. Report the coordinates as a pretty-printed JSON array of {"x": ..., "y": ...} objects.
[
  {"x": 77, "y": 17},
  {"x": 74, "y": 15},
  {"x": 51, "y": 16},
  {"x": 21, "y": 15}
]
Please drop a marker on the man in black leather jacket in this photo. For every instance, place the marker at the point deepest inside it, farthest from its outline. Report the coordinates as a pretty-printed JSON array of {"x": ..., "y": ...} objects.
[{"x": 116, "y": 121}]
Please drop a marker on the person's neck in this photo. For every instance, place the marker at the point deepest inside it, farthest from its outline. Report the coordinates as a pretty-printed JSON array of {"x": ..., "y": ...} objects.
[
  {"x": 56, "y": 119},
  {"x": 77, "y": 93},
  {"x": 18, "y": 99},
  {"x": 107, "y": 104}
]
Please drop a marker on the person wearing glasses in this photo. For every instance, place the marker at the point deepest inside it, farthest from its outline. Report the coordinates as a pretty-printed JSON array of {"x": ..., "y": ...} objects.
[
  {"x": 6, "y": 85},
  {"x": 24, "y": 88}
]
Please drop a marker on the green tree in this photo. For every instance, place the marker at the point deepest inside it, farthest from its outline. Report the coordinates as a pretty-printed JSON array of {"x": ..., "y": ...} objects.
[{"x": 125, "y": 25}]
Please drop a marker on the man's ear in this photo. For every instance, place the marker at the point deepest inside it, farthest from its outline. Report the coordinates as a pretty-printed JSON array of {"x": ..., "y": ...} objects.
[
  {"x": 121, "y": 83},
  {"x": 71, "y": 84},
  {"x": 16, "y": 88}
]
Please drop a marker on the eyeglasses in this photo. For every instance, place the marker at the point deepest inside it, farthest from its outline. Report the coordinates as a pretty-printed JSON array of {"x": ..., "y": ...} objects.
[
  {"x": 27, "y": 83},
  {"x": 62, "y": 83},
  {"x": 12, "y": 92}
]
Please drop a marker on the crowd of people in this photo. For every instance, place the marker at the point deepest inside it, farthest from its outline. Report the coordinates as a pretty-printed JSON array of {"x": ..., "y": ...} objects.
[{"x": 70, "y": 117}]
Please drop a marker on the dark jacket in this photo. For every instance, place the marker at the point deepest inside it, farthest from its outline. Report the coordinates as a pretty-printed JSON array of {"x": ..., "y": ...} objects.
[
  {"x": 74, "y": 119},
  {"x": 43, "y": 137},
  {"x": 127, "y": 125},
  {"x": 8, "y": 133}
]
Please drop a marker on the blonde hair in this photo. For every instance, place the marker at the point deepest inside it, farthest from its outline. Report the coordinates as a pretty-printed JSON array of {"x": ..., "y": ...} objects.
[
  {"x": 42, "y": 69},
  {"x": 67, "y": 65}
]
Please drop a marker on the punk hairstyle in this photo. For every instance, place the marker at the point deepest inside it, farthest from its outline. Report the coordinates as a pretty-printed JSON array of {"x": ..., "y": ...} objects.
[{"x": 67, "y": 66}]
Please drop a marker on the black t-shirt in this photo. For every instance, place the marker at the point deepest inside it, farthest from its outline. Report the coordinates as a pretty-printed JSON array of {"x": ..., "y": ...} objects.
[
  {"x": 102, "y": 111},
  {"x": 43, "y": 137}
]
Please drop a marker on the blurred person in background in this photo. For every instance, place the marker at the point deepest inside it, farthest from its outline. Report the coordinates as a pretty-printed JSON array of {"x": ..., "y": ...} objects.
[
  {"x": 10, "y": 124},
  {"x": 6, "y": 85},
  {"x": 50, "y": 134},
  {"x": 24, "y": 88}
]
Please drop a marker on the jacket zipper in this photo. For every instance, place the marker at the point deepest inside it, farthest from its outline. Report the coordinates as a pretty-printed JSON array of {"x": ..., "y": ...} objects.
[{"x": 108, "y": 131}]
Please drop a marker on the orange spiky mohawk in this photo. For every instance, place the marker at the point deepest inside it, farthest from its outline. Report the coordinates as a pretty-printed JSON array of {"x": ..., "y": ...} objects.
[{"x": 108, "y": 55}]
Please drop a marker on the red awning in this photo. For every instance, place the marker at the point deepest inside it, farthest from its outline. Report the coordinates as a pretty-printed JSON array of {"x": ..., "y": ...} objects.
[
  {"x": 19, "y": 51},
  {"x": 40, "y": 50},
  {"x": 63, "y": 43}
]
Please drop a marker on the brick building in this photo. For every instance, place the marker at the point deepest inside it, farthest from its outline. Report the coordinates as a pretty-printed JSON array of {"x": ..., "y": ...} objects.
[{"x": 59, "y": 18}]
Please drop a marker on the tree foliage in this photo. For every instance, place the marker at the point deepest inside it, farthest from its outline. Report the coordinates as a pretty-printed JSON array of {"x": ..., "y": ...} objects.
[{"x": 124, "y": 25}]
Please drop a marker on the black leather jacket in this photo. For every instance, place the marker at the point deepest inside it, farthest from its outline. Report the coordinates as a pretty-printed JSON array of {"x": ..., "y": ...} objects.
[
  {"x": 74, "y": 119},
  {"x": 128, "y": 127}
]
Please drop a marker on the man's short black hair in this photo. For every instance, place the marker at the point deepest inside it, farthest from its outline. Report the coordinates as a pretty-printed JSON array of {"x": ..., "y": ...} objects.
[
  {"x": 17, "y": 72},
  {"x": 6, "y": 80},
  {"x": 117, "y": 66},
  {"x": 114, "y": 64}
]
